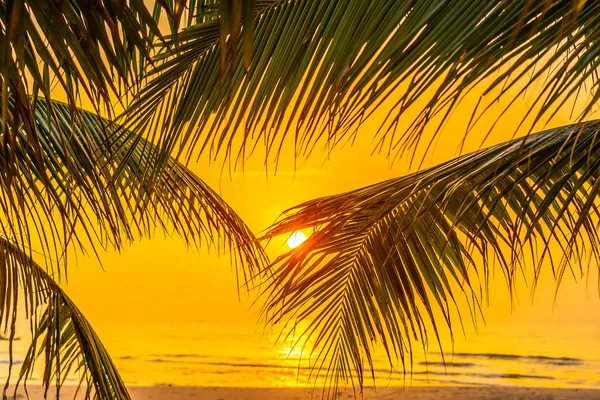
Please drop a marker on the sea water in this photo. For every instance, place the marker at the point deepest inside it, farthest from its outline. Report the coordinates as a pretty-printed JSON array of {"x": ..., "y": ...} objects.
[{"x": 245, "y": 355}]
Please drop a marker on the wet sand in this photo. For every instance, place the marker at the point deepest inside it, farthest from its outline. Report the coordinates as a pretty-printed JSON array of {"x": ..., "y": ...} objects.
[{"x": 414, "y": 393}]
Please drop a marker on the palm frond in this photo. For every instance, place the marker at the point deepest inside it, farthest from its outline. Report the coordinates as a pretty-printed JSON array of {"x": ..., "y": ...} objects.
[
  {"x": 76, "y": 50},
  {"x": 97, "y": 190},
  {"x": 321, "y": 67},
  {"x": 62, "y": 337},
  {"x": 386, "y": 262}
]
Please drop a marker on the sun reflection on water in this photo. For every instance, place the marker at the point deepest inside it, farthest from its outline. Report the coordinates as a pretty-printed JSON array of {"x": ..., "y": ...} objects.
[
  {"x": 292, "y": 353},
  {"x": 236, "y": 355}
]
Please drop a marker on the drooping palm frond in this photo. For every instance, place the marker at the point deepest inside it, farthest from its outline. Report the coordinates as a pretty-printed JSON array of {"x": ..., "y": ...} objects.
[
  {"x": 97, "y": 190},
  {"x": 166, "y": 89},
  {"x": 62, "y": 337},
  {"x": 109, "y": 200},
  {"x": 387, "y": 261},
  {"x": 79, "y": 51},
  {"x": 319, "y": 68},
  {"x": 76, "y": 49}
]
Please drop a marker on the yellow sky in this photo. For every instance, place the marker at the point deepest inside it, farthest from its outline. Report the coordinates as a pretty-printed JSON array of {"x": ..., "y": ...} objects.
[{"x": 161, "y": 281}]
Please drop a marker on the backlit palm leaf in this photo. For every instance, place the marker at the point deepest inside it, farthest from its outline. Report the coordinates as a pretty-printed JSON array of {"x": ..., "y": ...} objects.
[
  {"x": 62, "y": 337},
  {"x": 110, "y": 198},
  {"x": 72, "y": 179},
  {"x": 76, "y": 48},
  {"x": 110, "y": 201},
  {"x": 389, "y": 261},
  {"x": 228, "y": 14},
  {"x": 319, "y": 68}
]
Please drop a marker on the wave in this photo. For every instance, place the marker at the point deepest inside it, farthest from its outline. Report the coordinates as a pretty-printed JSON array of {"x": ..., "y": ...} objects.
[
  {"x": 543, "y": 359},
  {"x": 451, "y": 381},
  {"x": 448, "y": 364},
  {"x": 254, "y": 365},
  {"x": 471, "y": 374},
  {"x": 380, "y": 371},
  {"x": 180, "y": 355},
  {"x": 14, "y": 362},
  {"x": 514, "y": 376}
]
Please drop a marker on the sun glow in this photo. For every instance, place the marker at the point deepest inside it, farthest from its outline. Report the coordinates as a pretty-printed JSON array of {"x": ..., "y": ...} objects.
[{"x": 296, "y": 239}]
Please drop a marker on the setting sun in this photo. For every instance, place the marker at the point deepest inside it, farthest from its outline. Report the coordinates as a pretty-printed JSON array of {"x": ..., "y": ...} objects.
[{"x": 296, "y": 239}]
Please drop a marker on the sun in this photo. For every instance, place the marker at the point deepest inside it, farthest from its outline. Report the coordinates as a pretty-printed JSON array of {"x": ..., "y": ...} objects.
[{"x": 296, "y": 239}]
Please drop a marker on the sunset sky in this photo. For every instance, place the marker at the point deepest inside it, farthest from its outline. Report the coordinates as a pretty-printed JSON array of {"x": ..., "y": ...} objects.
[
  {"x": 397, "y": 134},
  {"x": 159, "y": 280}
]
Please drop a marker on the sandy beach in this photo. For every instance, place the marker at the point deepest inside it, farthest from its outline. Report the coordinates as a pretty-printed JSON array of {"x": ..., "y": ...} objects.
[{"x": 414, "y": 393}]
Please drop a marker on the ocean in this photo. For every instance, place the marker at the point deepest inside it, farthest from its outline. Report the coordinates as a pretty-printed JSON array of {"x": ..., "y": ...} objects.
[{"x": 243, "y": 355}]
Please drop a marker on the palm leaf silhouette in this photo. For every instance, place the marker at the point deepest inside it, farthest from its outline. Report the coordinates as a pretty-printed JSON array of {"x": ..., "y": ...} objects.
[
  {"x": 320, "y": 69},
  {"x": 73, "y": 179},
  {"x": 109, "y": 199},
  {"x": 108, "y": 202},
  {"x": 389, "y": 259},
  {"x": 232, "y": 75}
]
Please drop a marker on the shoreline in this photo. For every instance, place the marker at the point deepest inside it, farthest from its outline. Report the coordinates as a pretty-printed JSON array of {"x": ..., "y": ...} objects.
[{"x": 412, "y": 393}]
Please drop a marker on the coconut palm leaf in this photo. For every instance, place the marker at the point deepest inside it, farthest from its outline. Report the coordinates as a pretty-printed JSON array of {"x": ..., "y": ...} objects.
[
  {"x": 96, "y": 205},
  {"x": 321, "y": 67},
  {"x": 62, "y": 338},
  {"x": 96, "y": 192},
  {"x": 389, "y": 263},
  {"x": 76, "y": 49}
]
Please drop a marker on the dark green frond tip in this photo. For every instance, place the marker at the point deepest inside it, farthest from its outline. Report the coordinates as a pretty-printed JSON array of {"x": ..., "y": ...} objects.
[
  {"x": 232, "y": 14},
  {"x": 388, "y": 262}
]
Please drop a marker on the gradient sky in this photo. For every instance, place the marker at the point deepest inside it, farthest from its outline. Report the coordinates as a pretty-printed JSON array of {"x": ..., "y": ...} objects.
[{"x": 160, "y": 281}]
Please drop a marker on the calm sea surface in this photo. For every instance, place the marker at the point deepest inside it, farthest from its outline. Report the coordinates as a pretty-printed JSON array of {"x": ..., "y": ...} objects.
[{"x": 535, "y": 354}]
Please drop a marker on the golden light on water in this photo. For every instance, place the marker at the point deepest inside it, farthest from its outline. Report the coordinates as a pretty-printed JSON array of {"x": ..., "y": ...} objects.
[
  {"x": 296, "y": 239},
  {"x": 290, "y": 353}
]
